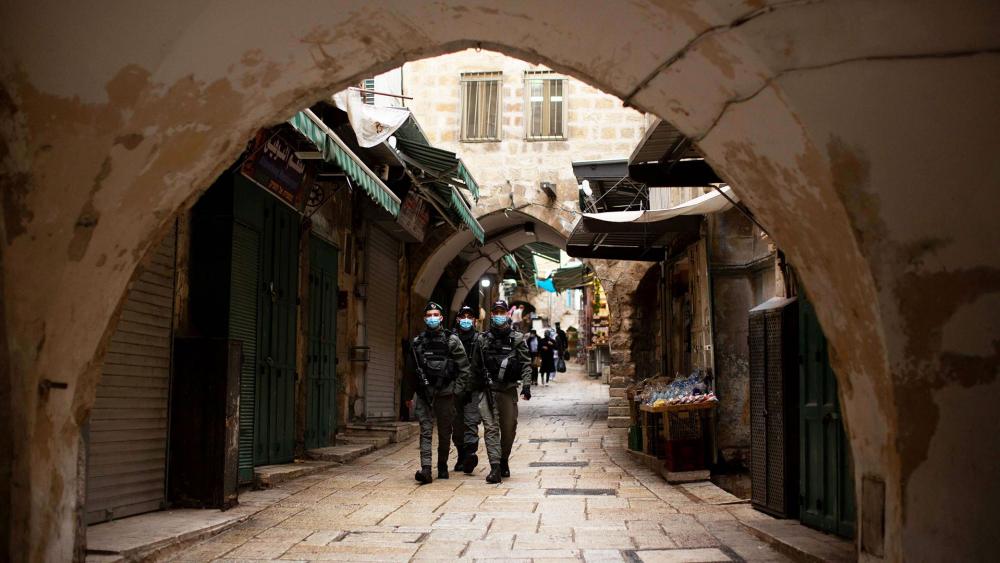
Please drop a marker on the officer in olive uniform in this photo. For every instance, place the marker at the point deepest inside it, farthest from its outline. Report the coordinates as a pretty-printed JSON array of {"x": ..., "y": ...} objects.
[
  {"x": 439, "y": 363},
  {"x": 465, "y": 428},
  {"x": 500, "y": 362}
]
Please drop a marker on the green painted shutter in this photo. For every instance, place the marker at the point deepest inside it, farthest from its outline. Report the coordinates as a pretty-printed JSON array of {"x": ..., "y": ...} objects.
[
  {"x": 243, "y": 306},
  {"x": 322, "y": 357}
]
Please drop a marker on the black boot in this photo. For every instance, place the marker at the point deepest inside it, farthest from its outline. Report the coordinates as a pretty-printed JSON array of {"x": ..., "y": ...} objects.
[
  {"x": 470, "y": 462},
  {"x": 424, "y": 475},
  {"x": 504, "y": 468},
  {"x": 460, "y": 462},
  {"x": 494, "y": 476},
  {"x": 443, "y": 470}
]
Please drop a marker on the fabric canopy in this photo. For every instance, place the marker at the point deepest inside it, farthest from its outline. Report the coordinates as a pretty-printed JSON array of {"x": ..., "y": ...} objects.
[
  {"x": 713, "y": 202},
  {"x": 334, "y": 150},
  {"x": 372, "y": 124}
]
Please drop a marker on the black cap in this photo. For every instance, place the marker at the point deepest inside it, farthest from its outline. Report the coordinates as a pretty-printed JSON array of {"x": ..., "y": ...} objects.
[
  {"x": 432, "y": 305},
  {"x": 500, "y": 304},
  {"x": 466, "y": 310}
]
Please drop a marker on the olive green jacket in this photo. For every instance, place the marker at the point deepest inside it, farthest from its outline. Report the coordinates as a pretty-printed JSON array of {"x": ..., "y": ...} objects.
[{"x": 477, "y": 380}]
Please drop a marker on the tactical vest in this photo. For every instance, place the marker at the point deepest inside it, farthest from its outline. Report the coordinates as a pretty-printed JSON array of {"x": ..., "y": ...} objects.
[
  {"x": 435, "y": 357},
  {"x": 501, "y": 359},
  {"x": 468, "y": 338}
]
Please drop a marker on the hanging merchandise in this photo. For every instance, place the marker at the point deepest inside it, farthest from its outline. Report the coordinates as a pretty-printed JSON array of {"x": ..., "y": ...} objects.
[{"x": 372, "y": 124}]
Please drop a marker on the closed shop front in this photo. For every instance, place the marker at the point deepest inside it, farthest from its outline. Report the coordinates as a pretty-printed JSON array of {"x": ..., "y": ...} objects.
[
  {"x": 127, "y": 443},
  {"x": 383, "y": 290},
  {"x": 244, "y": 286}
]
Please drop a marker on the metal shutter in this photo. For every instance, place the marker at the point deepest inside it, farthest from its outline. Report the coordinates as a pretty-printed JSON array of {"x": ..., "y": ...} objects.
[
  {"x": 380, "y": 380},
  {"x": 126, "y": 464},
  {"x": 243, "y": 327}
]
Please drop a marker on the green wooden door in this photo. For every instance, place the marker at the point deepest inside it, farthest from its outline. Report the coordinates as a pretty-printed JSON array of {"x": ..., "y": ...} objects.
[
  {"x": 321, "y": 415},
  {"x": 826, "y": 482},
  {"x": 276, "y": 395},
  {"x": 277, "y": 228}
]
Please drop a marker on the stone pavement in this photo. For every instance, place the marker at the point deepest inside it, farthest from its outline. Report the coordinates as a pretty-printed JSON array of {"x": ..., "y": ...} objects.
[{"x": 574, "y": 495}]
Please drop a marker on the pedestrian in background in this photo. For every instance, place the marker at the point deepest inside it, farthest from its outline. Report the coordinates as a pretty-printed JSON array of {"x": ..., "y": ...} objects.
[
  {"x": 536, "y": 361},
  {"x": 547, "y": 350}
]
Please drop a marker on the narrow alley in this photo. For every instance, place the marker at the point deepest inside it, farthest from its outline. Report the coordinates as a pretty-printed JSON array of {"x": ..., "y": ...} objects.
[{"x": 574, "y": 494}]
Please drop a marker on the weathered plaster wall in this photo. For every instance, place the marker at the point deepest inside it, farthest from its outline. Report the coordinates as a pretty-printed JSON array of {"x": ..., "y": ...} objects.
[
  {"x": 827, "y": 117},
  {"x": 742, "y": 270}
]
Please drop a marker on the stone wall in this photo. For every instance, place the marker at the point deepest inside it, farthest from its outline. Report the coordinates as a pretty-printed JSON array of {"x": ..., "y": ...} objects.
[{"x": 509, "y": 171}]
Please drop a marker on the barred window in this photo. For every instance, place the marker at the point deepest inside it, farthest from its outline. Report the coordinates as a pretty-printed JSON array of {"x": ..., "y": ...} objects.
[
  {"x": 367, "y": 85},
  {"x": 481, "y": 106},
  {"x": 545, "y": 110}
]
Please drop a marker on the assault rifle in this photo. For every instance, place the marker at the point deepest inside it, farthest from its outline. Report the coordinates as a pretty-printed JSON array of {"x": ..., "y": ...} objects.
[
  {"x": 423, "y": 386},
  {"x": 490, "y": 399}
]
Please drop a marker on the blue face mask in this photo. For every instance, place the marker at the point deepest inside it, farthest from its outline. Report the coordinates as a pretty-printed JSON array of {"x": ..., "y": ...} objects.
[
  {"x": 432, "y": 322},
  {"x": 466, "y": 324},
  {"x": 500, "y": 320}
]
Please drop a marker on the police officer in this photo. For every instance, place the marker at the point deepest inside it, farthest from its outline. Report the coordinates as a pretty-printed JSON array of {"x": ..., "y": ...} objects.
[
  {"x": 501, "y": 361},
  {"x": 465, "y": 428},
  {"x": 439, "y": 364}
]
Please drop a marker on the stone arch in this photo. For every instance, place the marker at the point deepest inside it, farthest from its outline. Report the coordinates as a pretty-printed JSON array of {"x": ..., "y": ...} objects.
[
  {"x": 503, "y": 231},
  {"x": 105, "y": 140}
]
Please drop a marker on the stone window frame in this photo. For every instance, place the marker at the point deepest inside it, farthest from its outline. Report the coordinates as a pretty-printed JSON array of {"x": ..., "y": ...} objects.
[
  {"x": 543, "y": 76},
  {"x": 483, "y": 96}
]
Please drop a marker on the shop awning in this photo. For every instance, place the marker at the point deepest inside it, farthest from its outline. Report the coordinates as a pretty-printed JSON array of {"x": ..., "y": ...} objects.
[
  {"x": 334, "y": 150},
  {"x": 643, "y": 235},
  {"x": 712, "y": 202},
  {"x": 610, "y": 185},
  {"x": 462, "y": 208},
  {"x": 440, "y": 173},
  {"x": 680, "y": 174}
]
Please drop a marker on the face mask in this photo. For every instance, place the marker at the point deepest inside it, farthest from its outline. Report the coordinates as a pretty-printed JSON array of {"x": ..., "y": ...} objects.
[
  {"x": 466, "y": 324},
  {"x": 432, "y": 322},
  {"x": 499, "y": 320}
]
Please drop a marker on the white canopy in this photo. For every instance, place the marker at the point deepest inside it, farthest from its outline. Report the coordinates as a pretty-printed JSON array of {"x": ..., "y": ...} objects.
[{"x": 712, "y": 202}]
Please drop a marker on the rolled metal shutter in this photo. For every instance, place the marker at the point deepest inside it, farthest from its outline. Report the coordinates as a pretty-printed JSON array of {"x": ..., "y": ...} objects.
[
  {"x": 126, "y": 464},
  {"x": 243, "y": 327},
  {"x": 383, "y": 274}
]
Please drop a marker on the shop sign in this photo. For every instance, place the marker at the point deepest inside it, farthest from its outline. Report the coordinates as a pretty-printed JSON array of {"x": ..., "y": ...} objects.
[
  {"x": 414, "y": 216},
  {"x": 272, "y": 165}
]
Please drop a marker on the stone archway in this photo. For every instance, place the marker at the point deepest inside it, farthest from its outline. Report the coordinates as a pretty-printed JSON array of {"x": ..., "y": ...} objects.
[{"x": 824, "y": 116}]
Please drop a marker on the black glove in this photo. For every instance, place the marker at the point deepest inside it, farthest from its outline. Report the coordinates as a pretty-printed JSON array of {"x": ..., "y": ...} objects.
[{"x": 526, "y": 392}]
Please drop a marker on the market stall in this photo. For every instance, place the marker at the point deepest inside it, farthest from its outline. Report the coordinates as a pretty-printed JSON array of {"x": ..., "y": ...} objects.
[{"x": 673, "y": 424}]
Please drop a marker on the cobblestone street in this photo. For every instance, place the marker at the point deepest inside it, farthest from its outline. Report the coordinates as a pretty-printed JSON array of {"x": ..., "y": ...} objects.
[{"x": 574, "y": 494}]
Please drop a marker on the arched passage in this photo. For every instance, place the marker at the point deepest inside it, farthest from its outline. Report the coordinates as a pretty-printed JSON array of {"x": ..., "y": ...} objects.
[{"x": 105, "y": 140}]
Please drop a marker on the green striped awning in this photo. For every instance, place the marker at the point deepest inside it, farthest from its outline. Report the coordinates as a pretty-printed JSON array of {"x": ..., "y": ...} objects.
[
  {"x": 461, "y": 207},
  {"x": 334, "y": 150},
  {"x": 465, "y": 176},
  {"x": 511, "y": 263}
]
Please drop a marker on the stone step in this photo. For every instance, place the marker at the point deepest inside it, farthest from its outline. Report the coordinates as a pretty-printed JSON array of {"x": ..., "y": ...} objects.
[
  {"x": 616, "y": 392},
  {"x": 267, "y": 476},
  {"x": 397, "y": 431},
  {"x": 619, "y": 421},
  {"x": 341, "y": 454},
  {"x": 618, "y": 402},
  {"x": 618, "y": 411},
  {"x": 379, "y": 441}
]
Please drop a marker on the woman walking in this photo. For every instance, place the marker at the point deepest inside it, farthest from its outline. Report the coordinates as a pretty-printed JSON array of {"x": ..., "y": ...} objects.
[{"x": 547, "y": 349}]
